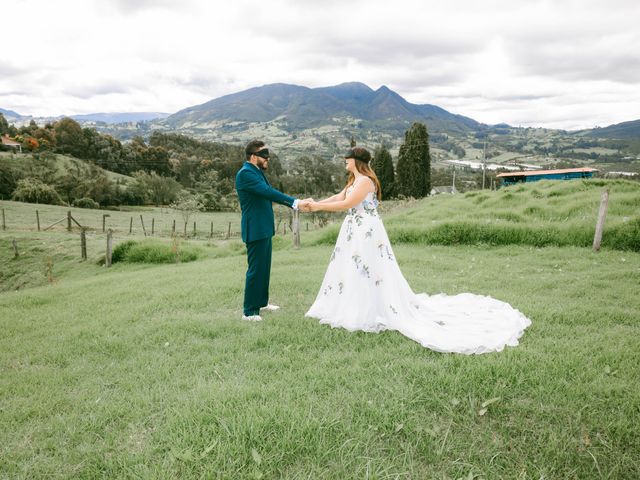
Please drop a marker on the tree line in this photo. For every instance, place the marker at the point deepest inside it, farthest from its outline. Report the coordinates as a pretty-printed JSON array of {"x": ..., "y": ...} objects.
[{"x": 171, "y": 168}]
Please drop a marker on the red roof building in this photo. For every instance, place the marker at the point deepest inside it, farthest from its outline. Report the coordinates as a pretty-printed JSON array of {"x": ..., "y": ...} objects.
[{"x": 7, "y": 142}]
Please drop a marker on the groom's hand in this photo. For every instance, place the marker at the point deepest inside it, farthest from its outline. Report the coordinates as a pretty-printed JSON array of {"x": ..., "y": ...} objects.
[{"x": 303, "y": 205}]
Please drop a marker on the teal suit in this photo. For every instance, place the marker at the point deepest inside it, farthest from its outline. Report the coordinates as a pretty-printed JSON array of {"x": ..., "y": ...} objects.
[{"x": 256, "y": 197}]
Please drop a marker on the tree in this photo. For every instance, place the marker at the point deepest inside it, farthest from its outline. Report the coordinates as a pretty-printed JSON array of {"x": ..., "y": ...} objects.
[
  {"x": 69, "y": 137},
  {"x": 34, "y": 191},
  {"x": 159, "y": 190},
  {"x": 414, "y": 163},
  {"x": 383, "y": 166},
  {"x": 208, "y": 188},
  {"x": 4, "y": 125},
  {"x": 187, "y": 205},
  {"x": 9, "y": 176}
]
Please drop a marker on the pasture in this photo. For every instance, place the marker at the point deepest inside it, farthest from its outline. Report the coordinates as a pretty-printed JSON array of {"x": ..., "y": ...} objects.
[{"x": 146, "y": 371}]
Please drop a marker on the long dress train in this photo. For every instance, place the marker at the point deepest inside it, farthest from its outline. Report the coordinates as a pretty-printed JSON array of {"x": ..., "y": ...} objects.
[{"x": 364, "y": 289}]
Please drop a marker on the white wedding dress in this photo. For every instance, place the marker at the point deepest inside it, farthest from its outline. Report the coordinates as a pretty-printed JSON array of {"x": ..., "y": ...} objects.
[{"x": 365, "y": 290}]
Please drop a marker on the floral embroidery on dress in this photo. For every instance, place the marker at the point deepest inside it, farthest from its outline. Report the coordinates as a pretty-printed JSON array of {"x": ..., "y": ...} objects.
[
  {"x": 335, "y": 252},
  {"x": 370, "y": 209},
  {"x": 384, "y": 250},
  {"x": 393, "y": 309},
  {"x": 340, "y": 287}
]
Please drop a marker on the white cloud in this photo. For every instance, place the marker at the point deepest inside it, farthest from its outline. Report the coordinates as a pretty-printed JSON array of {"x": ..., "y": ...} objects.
[{"x": 564, "y": 63}]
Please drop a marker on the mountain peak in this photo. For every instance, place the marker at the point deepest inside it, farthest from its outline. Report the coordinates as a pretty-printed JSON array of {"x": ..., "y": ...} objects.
[{"x": 353, "y": 86}]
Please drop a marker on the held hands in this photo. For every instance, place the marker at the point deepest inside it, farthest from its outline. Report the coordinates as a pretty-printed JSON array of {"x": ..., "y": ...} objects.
[
  {"x": 315, "y": 207},
  {"x": 305, "y": 205}
]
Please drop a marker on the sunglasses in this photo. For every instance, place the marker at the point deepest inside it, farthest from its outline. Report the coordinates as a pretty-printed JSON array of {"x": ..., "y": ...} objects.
[{"x": 264, "y": 153}]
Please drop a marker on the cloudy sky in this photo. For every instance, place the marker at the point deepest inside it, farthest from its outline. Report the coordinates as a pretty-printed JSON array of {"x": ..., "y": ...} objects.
[{"x": 559, "y": 64}]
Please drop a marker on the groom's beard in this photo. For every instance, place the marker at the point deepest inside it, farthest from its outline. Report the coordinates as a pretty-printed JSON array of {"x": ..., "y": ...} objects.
[{"x": 263, "y": 165}]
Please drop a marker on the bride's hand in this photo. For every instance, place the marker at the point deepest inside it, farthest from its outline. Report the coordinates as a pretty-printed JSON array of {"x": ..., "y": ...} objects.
[{"x": 315, "y": 206}]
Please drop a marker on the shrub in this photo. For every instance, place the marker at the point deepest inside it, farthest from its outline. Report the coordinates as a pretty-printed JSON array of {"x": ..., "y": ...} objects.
[
  {"x": 86, "y": 203},
  {"x": 151, "y": 251},
  {"x": 33, "y": 190},
  {"x": 623, "y": 237},
  {"x": 120, "y": 251}
]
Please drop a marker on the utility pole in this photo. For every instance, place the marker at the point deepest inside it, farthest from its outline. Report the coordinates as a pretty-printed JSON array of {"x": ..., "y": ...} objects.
[{"x": 484, "y": 163}]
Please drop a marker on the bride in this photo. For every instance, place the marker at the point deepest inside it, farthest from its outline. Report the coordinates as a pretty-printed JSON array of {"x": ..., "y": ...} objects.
[{"x": 364, "y": 289}]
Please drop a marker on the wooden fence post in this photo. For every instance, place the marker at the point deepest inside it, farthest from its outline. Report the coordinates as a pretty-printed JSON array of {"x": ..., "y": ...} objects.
[
  {"x": 38, "y": 219},
  {"x": 15, "y": 248},
  {"x": 173, "y": 230},
  {"x": 185, "y": 229},
  {"x": 130, "y": 225},
  {"x": 211, "y": 234},
  {"x": 83, "y": 244},
  {"x": 4, "y": 225},
  {"x": 194, "y": 228},
  {"x": 107, "y": 260},
  {"x": 153, "y": 226},
  {"x": 296, "y": 229},
  {"x": 143, "y": 229},
  {"x": 229, "y": 231},
  {"x": 69, "y": 220},
  {"x": 602, "y": 213},
  {"x": 104, "y": 221}
]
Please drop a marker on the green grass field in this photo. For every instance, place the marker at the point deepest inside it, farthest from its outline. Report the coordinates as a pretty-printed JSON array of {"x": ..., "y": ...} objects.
[{"x": 146, "y": 371}]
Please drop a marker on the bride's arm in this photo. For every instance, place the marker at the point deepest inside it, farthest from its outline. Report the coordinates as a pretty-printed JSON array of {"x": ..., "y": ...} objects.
[
  {"x": 335, "y": 198},
  {"x": 357, "y": 195}
]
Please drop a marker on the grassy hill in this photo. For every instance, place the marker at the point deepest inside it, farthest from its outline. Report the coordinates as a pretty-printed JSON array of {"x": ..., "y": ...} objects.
[
  {"x": 145, "y": 370},
  {"x": 64, "y": 164},
  {"x": 538, "y": 214}
]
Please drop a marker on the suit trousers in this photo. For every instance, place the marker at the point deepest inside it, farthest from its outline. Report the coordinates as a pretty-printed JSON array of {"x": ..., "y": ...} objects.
[{"x": 256, "y": 287}]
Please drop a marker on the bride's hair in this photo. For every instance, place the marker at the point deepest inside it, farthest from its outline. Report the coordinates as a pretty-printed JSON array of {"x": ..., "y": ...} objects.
[{"x": 366, "y": 170}]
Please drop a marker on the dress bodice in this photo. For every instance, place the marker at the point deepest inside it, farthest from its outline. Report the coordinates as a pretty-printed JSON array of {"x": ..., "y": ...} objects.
[{"x": 368, "y": 205}]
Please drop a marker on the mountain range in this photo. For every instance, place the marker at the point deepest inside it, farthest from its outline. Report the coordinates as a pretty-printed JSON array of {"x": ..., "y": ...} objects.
[
  {"x": 293, "y": 108},
  {"x": 107, "y": 118},
  {"x": 10, "y": 114},
  {"x": 298, "y": 108}
]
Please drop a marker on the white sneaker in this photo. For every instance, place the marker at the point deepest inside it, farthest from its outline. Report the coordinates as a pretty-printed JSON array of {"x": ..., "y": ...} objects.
[
  {"x": 252, "y": 318},
  {"x": 271, "y": 308}
]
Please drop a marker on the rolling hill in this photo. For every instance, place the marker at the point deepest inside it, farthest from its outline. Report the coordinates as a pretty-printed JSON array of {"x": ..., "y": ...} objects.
[{"x": 624, "y": 130}]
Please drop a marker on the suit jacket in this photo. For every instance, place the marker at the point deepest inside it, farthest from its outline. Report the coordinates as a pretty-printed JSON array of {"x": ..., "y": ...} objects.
[{"x": 256, "y": 195}]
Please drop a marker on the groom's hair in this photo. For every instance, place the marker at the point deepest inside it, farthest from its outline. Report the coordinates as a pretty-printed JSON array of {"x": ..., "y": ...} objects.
[{"x": 252, "y": 147}]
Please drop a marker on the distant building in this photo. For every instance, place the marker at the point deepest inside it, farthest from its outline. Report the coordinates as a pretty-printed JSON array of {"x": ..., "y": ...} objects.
[
  {"x": 449, "y": 189},
  {"x": 621, "y": 174},
  {"x": 8, "y": 143},
  {"x": 510, "y": 178}
]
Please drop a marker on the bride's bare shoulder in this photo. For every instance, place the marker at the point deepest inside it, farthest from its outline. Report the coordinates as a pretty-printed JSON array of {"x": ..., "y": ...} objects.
[{"x": 366, "y": 180}]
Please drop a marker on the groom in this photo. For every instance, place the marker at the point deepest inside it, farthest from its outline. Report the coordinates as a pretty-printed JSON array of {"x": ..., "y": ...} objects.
[{"x": 256, "y": 195}]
